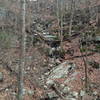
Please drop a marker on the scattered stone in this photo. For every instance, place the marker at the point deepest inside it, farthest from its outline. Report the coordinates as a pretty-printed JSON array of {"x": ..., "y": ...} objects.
[
  {"x": 50, "y": 82},
  {"x": 45, "y": 87},
  {"x": 30, "y": 92},
  {"x": 66, "y": 90},
  {"x": 47, "y": 73},
  {"x": 7, "y": 90},
  {"x": 75, "y": 94},
  {"x": 58, "y": 61},
  {"x": 95, "y": 93},
  {"x": 24, "y": 91},
  {"x": 82, "y": 93},
  {"x": 51, "y": 65},
  {"x": 52, "y": 95},
  {"x": 62, "y": 85}
]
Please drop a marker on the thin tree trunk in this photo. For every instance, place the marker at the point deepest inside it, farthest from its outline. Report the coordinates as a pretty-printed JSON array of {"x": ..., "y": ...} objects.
[
  {"x": 72, "y": 15},
  {"x": 87, "y": 12},
  {"x": 23, "y": 51},
  {"x": 85, "y": 60},
  {"x": 61, "y": 33},
  {"x": 58, "y": 16},
  {"x": 97, "y": 14},
  {"x": 60, "y": 20}
]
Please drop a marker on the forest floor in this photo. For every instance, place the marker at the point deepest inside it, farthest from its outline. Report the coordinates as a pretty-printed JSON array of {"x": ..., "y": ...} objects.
[{"x": 37, "y": 66}]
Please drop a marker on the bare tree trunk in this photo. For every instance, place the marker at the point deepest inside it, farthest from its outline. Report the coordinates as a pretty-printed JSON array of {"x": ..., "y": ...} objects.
[
  {"x": 60, "y": 20},
  {"x": 97, "y": 14},
  {"x": 71, "y": 18},
  {"x": 85, "y": 60},
  {"x": 61, "y": 33},
  {"x": 87, "y": 11},
  {"x": 58, "y": 16},
  {"x": 23, "y": 51}
]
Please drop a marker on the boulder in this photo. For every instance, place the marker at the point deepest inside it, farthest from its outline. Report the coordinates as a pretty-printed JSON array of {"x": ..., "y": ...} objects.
[{"x": 61, "y": 71}]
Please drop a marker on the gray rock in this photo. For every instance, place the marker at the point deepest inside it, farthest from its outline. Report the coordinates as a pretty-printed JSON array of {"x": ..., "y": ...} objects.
[
  {"x": 30, "y": 92},
  {"x": 50, "y": 82},
  {"x": 61, "y": 71},
  {"x": 66, "y": 90},
  {"x": 52, "y": 95},
  {"x": 95, "y": 93},
  {"x": 82, "y": 93},
  {"x": 58, "y": 61},
  {"x": 1, "y": 76},
  {"x": 62, "y": 85},
  {"x": 7, "y": 90},
  {"x": 24, "y": 91},
  {"x": 75, "y": 94}
]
